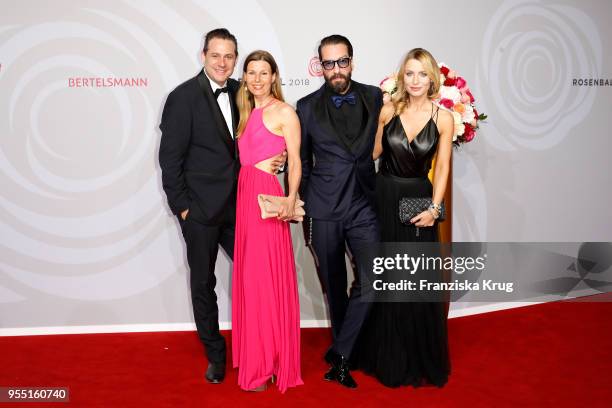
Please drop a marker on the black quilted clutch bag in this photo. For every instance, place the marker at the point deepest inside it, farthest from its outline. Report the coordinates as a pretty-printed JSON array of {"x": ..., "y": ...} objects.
[{"x": 410, "y": 207}]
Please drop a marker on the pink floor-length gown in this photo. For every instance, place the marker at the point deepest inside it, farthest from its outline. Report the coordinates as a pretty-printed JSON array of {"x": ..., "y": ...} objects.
[{"x": 265, "y": 302}]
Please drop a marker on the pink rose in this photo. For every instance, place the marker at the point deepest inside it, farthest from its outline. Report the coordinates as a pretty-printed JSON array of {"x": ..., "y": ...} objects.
[
  {"x": 465, "y": 98},
  {"x": 447, "y": 103},
  {"x": 467, "y": 91},
  {"x": 469, "y": 133},
  {"x": 461, "y": 83}
]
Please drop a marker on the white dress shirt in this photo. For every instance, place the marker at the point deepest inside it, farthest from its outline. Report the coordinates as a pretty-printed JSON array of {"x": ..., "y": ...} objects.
[{"x": 224, "y": 103}]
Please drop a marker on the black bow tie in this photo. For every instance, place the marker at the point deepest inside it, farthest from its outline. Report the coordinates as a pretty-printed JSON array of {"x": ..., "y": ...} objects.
[{"x": 219, "y": 91}]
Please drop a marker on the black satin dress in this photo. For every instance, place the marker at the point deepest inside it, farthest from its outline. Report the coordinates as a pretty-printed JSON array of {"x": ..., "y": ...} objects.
[{"x": 405, "y": 343}]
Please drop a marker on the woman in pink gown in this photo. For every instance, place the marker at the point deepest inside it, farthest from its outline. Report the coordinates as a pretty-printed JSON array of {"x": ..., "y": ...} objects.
[{"x": 265, "y": 301}]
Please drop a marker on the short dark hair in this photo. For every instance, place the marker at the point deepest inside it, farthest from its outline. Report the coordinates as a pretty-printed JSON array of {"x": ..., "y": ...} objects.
[
  {"x": 222, "y": 33},
  {"x": 336, "y": 39}
]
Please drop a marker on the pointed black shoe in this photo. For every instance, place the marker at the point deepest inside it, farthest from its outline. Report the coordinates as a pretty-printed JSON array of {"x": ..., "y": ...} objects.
[
  {"x": 353, "y": 361},
  {"x": 339, "y": 370},
  {"x": 215, "y": 373},
  {"x": 331, "y": 374},
  {"x": 329, "y": 356}
]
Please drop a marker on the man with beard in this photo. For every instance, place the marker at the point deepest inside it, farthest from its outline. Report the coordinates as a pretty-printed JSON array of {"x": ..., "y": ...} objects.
[{"x": 339, "y": 123}]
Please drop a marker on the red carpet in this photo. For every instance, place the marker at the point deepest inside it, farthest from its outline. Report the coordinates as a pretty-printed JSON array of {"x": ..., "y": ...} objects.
[{"x": 555, "y": 354}]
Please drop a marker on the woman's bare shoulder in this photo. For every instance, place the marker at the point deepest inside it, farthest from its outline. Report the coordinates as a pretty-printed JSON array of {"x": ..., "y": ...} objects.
[
  {"x": 287, "y": 110},
  {"x": 445, "y": 117}
]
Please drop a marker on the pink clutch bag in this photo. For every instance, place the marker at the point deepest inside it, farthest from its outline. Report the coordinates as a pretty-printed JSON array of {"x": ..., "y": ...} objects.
[{"x": 270, "y": 206}]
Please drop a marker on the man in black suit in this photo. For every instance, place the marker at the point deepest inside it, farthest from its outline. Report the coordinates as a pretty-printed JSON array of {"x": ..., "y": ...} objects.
[
  {"x": 197, "y": 156},
  {"x": 199, "y": 162},
  {"x": 339, "y": 123}
]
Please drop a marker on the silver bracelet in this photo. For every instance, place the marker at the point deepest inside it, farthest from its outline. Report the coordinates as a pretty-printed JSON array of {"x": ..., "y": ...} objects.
[
  {"x": 437, "y": 207},
  {"x": 433, "y": 212}
]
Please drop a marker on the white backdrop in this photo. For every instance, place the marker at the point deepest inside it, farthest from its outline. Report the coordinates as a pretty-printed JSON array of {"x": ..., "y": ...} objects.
[{"x": 87, "y": 242}]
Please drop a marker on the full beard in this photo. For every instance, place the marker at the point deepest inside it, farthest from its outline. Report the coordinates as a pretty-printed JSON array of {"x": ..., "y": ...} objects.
[{"x": 341, "y": 86}]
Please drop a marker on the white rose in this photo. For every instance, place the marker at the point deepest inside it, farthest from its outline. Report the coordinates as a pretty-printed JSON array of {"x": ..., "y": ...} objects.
[
  {"x": 450, "y": 92},
  {"x": 389, "y": 85},
  {"x": 459, "y": 127},
  {"x": 468, "y": 115}
]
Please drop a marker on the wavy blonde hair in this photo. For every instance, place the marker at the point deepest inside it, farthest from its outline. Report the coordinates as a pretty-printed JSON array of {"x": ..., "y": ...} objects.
[
  {"x": 244, "y": 98},
  {"x": 400, "y": 98}
]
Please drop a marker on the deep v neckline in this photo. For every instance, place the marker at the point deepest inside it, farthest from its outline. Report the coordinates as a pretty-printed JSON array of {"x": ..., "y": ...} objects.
[{"x": 415, "y": 136}]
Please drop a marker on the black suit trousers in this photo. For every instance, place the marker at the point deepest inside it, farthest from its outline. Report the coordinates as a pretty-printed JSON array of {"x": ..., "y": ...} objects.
[
  {"x": 203, "y": 243},
  {"x": 358, "y": 229}
]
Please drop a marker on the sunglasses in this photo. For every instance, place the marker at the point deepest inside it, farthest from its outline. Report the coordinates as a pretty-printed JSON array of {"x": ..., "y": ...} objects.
[{"x": 342, "y": 63}]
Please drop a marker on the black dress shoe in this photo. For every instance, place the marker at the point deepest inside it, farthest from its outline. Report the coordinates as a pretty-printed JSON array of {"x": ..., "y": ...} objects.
[
  {"x": 215, "y": 373},
  {"x": 339, "y": 370},
  {"x": 331, "y": 374},
  {"x": 329, "y": 355},
  {"x": 353, "y": 361}
]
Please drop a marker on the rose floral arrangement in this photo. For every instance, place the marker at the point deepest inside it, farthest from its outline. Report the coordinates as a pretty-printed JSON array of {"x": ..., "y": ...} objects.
[
  {"x": 388, "y": 86},
  {"x": 454, "y": 96}
]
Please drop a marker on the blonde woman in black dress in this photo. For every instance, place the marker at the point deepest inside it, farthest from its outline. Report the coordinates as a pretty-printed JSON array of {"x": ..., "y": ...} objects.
[{"x": 406, "y": 343}]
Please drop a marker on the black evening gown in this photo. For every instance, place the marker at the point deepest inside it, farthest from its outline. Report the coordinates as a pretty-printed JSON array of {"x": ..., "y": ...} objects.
[{"x": 405, "y": 343}]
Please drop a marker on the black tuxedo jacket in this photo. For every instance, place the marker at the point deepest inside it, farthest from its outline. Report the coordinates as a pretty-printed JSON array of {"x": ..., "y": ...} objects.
[
  {"x": 197, "y": 155},
  {"x": 330, "y": 169}
]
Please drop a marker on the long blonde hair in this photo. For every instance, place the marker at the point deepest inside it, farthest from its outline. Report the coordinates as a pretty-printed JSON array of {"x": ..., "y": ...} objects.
[
  {"x": 400, "y": 98},
  {"x": 244, "y": 99}
]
